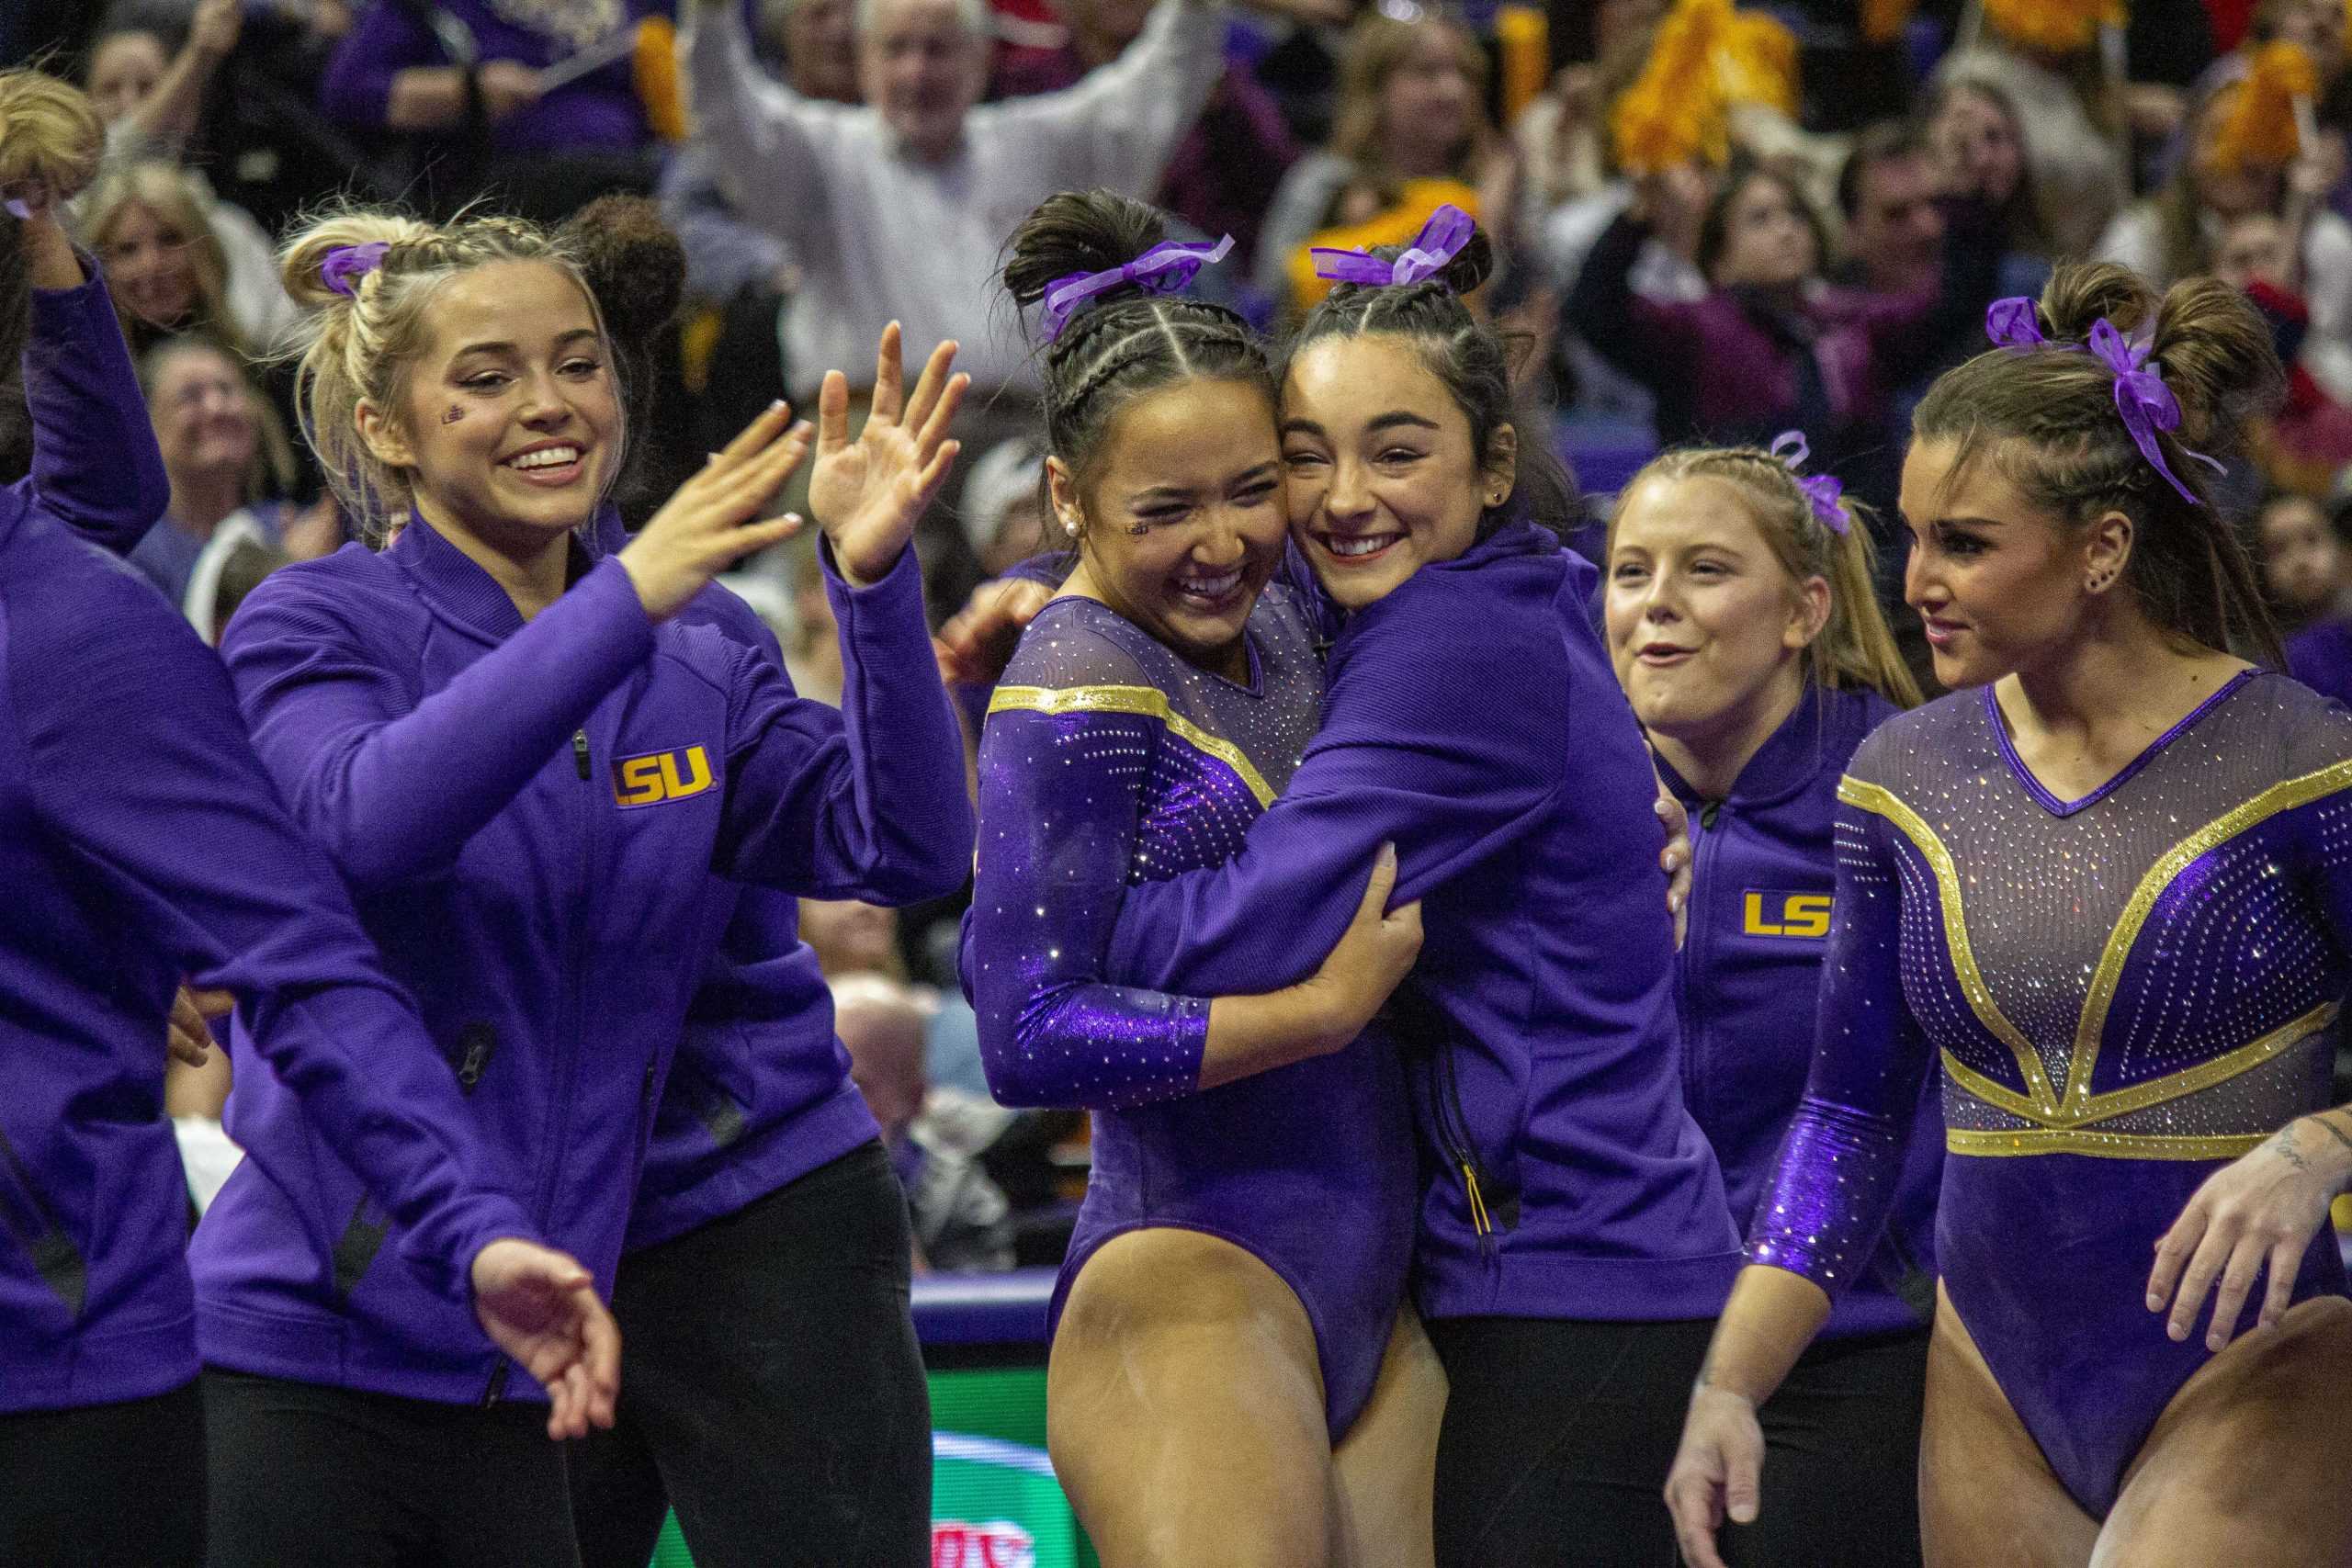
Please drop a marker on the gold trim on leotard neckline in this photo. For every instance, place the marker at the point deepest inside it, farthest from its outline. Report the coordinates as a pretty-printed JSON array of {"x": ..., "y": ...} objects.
[
  {"x": 1884, "y": 803},
  {"x": 2279, "y": 797},
  {"x": 1144, "y": 702}
]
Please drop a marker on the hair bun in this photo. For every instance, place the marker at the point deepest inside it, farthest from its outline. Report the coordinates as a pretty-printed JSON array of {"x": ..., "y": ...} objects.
[
  {"x": 2080, "y": 294},
  {"x": 633, "y": 264},
  {"x": 1093, "y": 230},
  {"x": 300, "y": 259},
  {"x": 2216, "y": 355},
  {"x": 1471, "y": 266}
]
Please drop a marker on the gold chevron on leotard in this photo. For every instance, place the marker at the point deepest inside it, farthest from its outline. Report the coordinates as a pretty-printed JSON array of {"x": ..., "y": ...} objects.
[
  {"x": 1146, "y": 702},
  {"x": 2279, "y": 797},
  {"x": 2044, "y": 1102}
]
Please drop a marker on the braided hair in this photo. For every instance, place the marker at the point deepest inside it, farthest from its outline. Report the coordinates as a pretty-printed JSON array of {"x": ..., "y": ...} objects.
[{"x": 1125, "y": 342}]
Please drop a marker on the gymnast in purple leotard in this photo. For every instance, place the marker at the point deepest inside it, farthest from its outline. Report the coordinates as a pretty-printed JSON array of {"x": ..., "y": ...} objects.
[
  {"x": 2113, "y": 892},
  {"x": 1237, "y": 1276}
]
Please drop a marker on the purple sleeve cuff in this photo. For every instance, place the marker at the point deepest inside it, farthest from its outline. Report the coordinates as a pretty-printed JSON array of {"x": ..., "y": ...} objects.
[
  {"x": 443, "y": 1249},
  {"x": 1829, "y": 1198}
]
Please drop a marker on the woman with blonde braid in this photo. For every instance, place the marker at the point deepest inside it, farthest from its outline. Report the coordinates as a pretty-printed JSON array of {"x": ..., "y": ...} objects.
[
  {"x": 527, "y": 759},
  {"x": 1740, "y": 620}
]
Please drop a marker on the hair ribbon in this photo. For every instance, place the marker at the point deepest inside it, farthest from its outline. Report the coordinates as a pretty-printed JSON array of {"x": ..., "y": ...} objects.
[
  {"x": 1439, "y": 240},
  {"x": 2145, "y": 403},
  {"x": 345, "y": 265},
  {"x": 1164, "y": 269},
  {"x": 1824, "y": 492}
]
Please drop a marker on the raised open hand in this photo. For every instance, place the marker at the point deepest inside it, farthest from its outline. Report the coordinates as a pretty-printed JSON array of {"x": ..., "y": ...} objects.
[
  {"x": 867, "y": 494},
  {"x": 714, "y": 520}
]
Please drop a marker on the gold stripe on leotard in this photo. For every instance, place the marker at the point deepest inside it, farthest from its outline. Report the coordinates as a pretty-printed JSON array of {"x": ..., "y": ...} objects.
[
  {"x": 1146, "y": 702},
  {"x": 1884, "y": 803},
  {"x": 2097, "y": 1144},
  {"x": 2205, "y": 1075},
  {"x": 2279, "y": 797}
]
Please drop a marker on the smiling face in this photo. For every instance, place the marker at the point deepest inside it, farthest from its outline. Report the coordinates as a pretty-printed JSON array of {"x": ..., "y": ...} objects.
[
  {"x": 1998, "y": 582},
  {"x": 1706, "y": 629},
  {"x": 150, "y": 265},
  {"x": 203, "y": 414},
  {"x": 1181, "y": 519},
  {"x": 1383, "y": 473},
  {"x": 508, "y": 420}
]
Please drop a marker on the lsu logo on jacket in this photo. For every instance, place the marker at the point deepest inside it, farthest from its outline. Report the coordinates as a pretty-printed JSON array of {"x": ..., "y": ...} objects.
[
  {"x": 1784, "y": 914},
  {"x": 657, "y": 777}
]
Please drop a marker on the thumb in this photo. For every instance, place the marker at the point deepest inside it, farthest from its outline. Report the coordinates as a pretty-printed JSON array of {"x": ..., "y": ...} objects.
[
  {"x": 1742, "y": 1485},
  {"x": 1382, "y": 880}
]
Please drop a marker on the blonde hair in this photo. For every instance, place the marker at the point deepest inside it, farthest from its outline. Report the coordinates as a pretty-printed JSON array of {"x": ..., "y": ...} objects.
[
  {"x": 1375, "y": 46},
  {"x": 176, "y": 198},
  {"x": 50, "y": 133},
  {"x": 360, "y": 347},
  {"x": 1855, "y": 648}
]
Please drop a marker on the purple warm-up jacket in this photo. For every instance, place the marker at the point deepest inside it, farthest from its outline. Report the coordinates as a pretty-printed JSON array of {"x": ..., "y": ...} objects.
[
  {"x": 139, "y": 840},
  {"x": 539, "y": 822},
  {"x": 761, "y": 1092},
  {"x": 1748, "y": 982},
  {"x": 1471, "y": 719}
]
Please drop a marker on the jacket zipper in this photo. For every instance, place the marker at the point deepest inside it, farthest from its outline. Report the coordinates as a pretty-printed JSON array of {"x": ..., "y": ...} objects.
[
  {"x": 580, "y": 752},
  {"x": 1702, "y": 847},
  {"x": 1454, "y": 1134}
]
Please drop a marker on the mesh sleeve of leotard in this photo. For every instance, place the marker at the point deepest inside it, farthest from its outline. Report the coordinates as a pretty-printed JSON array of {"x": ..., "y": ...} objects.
[
  {"x": 1061, "y": 789},
  {"x": 1828, "y": 1197}
]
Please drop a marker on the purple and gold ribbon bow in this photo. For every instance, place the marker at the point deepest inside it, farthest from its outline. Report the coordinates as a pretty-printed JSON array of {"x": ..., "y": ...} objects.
[
  {"x": 1439, "y": 240},
  {"x": 1824, "y": 492},
  {"x": 1164, "y": 269}
]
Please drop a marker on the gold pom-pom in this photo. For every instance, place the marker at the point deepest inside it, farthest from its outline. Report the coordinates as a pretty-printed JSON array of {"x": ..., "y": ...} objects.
[
  {"x": 2259, "y": 124},
  {"x": 1756, "y": 63},
  {"x": 653, "y": 63},
  {"x": 2052, "y": 27},
  {"x": 1674, "y": 112}
]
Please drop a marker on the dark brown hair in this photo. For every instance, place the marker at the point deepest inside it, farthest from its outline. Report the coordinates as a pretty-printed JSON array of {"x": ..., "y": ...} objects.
[
  {"x": 2046, "y": 418},
  {"x": 1714, "y": 226}
]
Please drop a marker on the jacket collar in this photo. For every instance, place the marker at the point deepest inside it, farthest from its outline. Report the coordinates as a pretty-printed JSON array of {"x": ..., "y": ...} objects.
[
  {"x": 456, "y": 584},
  {"x": 1825, "y": 725}
]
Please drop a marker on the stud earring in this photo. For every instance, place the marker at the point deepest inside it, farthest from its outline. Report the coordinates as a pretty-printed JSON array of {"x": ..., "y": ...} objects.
[{"x": 1070, "y": 526}]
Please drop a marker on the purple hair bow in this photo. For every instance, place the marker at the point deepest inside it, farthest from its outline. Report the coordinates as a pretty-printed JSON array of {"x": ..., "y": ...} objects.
[
  {"x": 1439, "y": 240},
  {"x": 1824, "y": 492},
  {"x": 345, "y": 265},
  {"x": 2147, "y": 404},
  {"x": 2010, "y": 323},
  {"x": 1164, "y": 269}
]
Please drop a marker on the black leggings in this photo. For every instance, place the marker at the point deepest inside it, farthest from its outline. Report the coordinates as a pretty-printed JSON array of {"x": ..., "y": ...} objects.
[
  {"x": 1842, "y": 1461},
  {"x": 308, "y": 1476},
  {"x": 1557, "y": 1439},
  {"x": 104, "y": 1484},
  {"x": 772, "y": 1390}
]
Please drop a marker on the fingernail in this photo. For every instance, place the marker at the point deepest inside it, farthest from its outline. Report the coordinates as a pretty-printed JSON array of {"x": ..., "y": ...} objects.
[
  {"x": 2176, "y": 1332},
  {"x": 776, "y": 405},
  {"x": 1388, "y": 854},
  {"x": 2155, "y": 1302}
]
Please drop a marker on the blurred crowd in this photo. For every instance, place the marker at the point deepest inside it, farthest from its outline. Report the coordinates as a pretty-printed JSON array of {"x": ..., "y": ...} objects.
[{"x": 1717, "y": 223}]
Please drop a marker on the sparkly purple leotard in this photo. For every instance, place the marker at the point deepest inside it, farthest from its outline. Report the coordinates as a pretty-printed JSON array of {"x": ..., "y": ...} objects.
[
  {"x": 1108, "y": 761},
  {"x": 2127, "y": 991}
]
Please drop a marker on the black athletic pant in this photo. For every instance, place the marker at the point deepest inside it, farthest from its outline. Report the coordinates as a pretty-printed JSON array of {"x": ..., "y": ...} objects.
[
  {"x": 306, "y": 1476},
  {"x": 1558, "y": 1438},
  {"x": 102, "y": 1485},
  {"x": 1842, "y": 1461},
  {"x": 772, "y": 1390}
]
